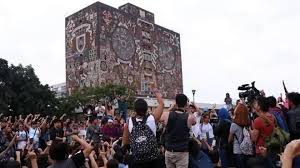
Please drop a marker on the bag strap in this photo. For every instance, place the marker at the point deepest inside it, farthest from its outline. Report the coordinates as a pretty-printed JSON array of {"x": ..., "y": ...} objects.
[
  {"x": 34, "y": 133},
  {"x": 134, "y": 122},
  {"x": 242, "y": 135},
  {"x": 145, "y": 119},
  {"x": 265, "y": 118},
  {"x": 237, "y": 139}
]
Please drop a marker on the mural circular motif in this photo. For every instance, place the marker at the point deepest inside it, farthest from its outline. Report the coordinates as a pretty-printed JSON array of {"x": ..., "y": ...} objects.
[
  {"x": 123, "y": 44},
  {"x": 166, "y": 56}
]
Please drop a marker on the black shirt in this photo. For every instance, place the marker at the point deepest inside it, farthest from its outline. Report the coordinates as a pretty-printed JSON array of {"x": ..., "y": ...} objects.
[
  {"x": 177, "y": 132},
  {"x": 56, "y": 133},
  {"x": 222, "y": 132}
]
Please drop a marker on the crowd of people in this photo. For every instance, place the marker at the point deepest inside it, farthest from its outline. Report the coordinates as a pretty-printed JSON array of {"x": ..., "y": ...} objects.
[{"x": 262, "y": 134}]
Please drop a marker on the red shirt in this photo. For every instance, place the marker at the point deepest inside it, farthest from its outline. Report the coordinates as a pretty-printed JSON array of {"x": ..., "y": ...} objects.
[
  {"x": 112, "y": 132},
  {"x": 265, "y": 130}
]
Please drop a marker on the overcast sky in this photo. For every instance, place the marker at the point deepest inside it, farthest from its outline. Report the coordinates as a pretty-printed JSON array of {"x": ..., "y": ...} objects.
[{"x": 224, "y": 43}]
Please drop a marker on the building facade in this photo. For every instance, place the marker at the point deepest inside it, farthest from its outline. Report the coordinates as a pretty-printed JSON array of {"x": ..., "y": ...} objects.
[
  {"x": 59, "y": 89},
  {"x": 121, "y": 46}
]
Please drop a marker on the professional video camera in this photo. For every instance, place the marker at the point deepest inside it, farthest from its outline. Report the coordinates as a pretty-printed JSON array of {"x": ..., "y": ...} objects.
[{"x": 250, "y": 92}]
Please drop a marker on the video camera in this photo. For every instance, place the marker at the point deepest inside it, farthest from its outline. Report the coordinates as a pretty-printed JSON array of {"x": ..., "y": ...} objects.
[{"x": 250, "y": 92}]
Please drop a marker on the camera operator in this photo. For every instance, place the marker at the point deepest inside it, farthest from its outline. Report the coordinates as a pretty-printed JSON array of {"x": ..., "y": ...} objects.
[
  {"x": 248, "y": 97},
  {"x": 263, "y": 125}
]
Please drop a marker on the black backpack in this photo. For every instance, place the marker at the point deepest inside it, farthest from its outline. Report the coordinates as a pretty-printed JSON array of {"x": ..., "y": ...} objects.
[{"x": 143, "y": 142}]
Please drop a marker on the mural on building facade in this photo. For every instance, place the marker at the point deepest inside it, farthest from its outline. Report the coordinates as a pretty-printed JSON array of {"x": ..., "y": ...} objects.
[{"x": 121, "y": 46}]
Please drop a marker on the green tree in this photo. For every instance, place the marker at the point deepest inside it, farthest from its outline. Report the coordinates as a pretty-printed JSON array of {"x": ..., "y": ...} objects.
[
  {"x": 22, "y": 92},
  {"x": 101, "y": 94}
]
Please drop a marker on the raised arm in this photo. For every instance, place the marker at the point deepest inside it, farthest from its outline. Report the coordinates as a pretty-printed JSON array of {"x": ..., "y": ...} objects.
[
  {"x": 291, "y": 151},
  {"x": 112, "y": 111},
  {"x": 53, "y": 118},
  {"x": 197, "y": 108},
  {"x": 62, "y": 117},
  {"x": 46, "y": 150},
  {"x": 173, "y": 107},
  {"x": 160, "y": 108},
  {"x": 26, "y": 121},
  {"x": 93, "y": 161},
  {"x": 18, "y": 157},
  {"x": 125, "y": 139},
  {"x": 9, "y": 146},
  {"x": 35, "y": 117},
  {"x": 44, "y": 123},
  {"x": 33, "y": 159},
  {"x": 9, "y": 120},
  {"x": 20, "y": 117},
  {"x": 87, "y": 148},
  {"x": 103, "y": 155}
]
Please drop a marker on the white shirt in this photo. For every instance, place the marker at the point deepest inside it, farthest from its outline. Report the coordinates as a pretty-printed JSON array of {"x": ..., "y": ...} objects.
[
  {"x": 31, "y": 134},
  {"x": 23, "y": 139},
  {"x": 150, "y": 122},
  {"x": 195, "y": 130},
  {"x": 206, "y": 128}
]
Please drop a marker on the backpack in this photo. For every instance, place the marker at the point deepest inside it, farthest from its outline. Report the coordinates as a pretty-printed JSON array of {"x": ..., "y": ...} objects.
[
  {"x": 246, "y": 145},
  {"x": 280, "y": 121},
  {"x": 143, "y": 142},
  {"x": 278, "y": 139},
  {"x": 276, "y": 142}
]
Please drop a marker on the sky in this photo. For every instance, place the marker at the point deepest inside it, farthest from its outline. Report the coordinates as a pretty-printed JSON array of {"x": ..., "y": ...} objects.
[{"x": 223, "y": 43}]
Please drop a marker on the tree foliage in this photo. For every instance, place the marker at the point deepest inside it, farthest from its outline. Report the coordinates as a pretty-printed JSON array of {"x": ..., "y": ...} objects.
[
  {"x": 22, "y": 93},
  {"x": 101, "y": 94}
]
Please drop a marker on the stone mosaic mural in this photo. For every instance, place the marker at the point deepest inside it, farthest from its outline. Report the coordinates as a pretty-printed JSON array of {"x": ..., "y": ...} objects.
[{"x": 121, "y": 46}]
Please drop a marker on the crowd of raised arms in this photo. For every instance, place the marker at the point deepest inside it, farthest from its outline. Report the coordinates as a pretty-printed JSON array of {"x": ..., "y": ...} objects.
[{"x": 262, "y": 134}]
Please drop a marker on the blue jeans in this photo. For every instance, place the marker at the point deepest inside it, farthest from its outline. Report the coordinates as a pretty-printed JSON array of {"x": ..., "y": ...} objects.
[{"x": 224, "y": 159}]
